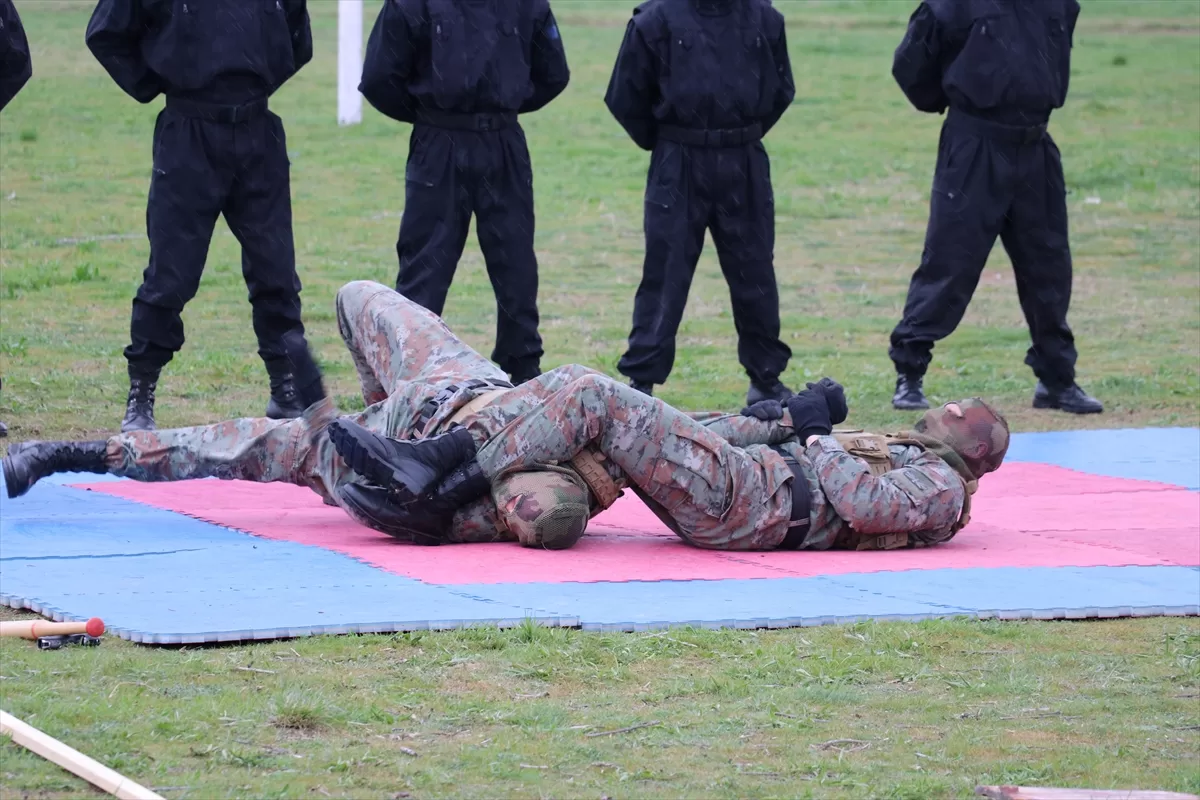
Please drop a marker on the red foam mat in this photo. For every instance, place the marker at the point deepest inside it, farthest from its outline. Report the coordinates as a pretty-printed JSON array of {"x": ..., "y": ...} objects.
[{"x": 1025, "y": 515}]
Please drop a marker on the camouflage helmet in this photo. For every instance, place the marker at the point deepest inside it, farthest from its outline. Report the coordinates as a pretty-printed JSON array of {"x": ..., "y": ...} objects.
[
  {"x": 547, "y": 507},
  {"x": 979, "y": 436}
]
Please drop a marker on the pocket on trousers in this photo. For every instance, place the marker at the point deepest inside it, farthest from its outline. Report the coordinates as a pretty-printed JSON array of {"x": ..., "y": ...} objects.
[
  {"x": 664, "y": 182},
  {"x": 691, "y": 470}
]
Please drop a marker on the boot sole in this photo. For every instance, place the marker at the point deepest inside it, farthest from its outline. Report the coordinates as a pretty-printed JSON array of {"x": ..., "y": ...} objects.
[
  {"x": 910, "y": 406},
  {"x": 10, "y": 478},
  {"x": 1049, "y": 405},
  {"x": 357, "y": 448}
]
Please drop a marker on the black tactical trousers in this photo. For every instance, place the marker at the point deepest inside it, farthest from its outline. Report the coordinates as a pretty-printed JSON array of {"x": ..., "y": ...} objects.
[
  {"x": 993, "y": 181},
  {"x": 451, "y": 174},
  {"x": 726, "y": 190},
  {"x": 203, "y": 168}
]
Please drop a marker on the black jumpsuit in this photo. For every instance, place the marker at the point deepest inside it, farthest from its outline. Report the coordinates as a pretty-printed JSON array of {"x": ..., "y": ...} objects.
[
  {"x": 699, "y": 83},
  {"x": 461, "y": 72},
  {"x": 217, "y": 150},
  {"x": 15, "y": 67},
  {"x": 1001, "y": 67}
]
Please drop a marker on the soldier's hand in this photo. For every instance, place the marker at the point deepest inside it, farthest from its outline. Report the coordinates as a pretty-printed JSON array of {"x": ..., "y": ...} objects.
[
  {"x": 766, "y": 410},
  {"x": 835, "y": 398},
  {"x": 810, "y": 414}
]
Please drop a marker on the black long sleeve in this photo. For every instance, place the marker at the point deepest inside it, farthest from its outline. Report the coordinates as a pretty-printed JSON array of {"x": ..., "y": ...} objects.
[{"x": 16, "y": 68}]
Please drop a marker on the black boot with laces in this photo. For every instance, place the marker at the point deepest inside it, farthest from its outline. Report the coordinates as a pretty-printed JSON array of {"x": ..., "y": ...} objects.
[
  {"x": 139, "y": 407},
  {"x": 295, "y": 379},
  {"x": 408, "y": 468},
  {"x": 29, "y": 462},
  {"x": 285, "y": 400},
  {"x": 910, "y": 393}
]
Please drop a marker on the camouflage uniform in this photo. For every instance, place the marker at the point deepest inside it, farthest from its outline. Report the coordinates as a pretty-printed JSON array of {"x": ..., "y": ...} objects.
[
  {"x": 405, "y": 356},
  {"x": 716, "y": 495}
]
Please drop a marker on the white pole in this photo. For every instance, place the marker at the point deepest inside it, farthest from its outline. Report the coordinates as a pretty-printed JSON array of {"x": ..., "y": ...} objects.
[
  {"x": 72, "y": 760},
  {"x": 350, "y": 36}
]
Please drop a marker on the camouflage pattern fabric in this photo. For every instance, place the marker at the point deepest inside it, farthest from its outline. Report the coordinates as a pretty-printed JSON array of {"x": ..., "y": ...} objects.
[
  {"x": 709, "y": 492},
  {"x": 922, "y": 495},
  {"x": 404, "y": 356},
  {"x": 716, "y": 495}
]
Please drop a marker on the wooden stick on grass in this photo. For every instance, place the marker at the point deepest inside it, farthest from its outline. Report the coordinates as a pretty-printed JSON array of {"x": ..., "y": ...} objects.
[{"x": 72, "y": 760}]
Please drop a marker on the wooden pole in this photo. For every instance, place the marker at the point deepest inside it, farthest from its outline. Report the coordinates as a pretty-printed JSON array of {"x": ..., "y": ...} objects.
[
  {"x": 72, "y": 760},
  {"x": 1051, "y": 793},
  {"x": 35, "y": 628}
]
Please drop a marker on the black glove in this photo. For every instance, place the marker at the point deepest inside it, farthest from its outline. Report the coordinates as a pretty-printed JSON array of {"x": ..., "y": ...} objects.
[
  {"x": 766, "y": 410},
  {"x": 810, "y": 414},
  {"x": 835, "y": 398}
]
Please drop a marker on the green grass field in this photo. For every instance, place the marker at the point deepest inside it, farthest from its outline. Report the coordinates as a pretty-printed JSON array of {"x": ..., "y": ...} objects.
[{"x": 868, "y": 711}]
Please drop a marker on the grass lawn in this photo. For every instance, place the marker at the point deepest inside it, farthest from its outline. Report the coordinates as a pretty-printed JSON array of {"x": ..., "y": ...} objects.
[{"x": 921, "y": 710}]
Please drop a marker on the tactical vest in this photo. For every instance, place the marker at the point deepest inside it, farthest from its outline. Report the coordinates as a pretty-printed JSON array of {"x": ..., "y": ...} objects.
[{"x": 872, "y": 449}]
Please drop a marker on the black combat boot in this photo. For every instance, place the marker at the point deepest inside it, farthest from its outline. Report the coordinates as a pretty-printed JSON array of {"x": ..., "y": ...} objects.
[
  {"x": 644, "y": 387},
  {"x": 410, "y": 468},
  {"x": 139, "y": 407},
  {"x": 29, "y": 462},
  {"x": 767, "y": 390},
  {"x": 524, "y": 374},
  {"x": 426, "y": 520},
  {"x": 285, "y": 401},
  {"x": 909, "y": 396},
  {"x": 1071, "y": 399},
  {"x": 295, "y": 379}
]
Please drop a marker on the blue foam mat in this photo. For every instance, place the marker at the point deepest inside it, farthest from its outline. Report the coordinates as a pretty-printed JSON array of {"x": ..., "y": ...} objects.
[
  {"x": 1166, "y": 455},
  {"x": 1004, "y": 593},
  {"x": 158, "y": 577}
]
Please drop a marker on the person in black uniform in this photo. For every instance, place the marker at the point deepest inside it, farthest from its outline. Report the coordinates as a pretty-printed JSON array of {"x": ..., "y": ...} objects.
[
  {"x": 1001, "y": 67},
  {"x": 15, "y": 68},
  {"x": 217, "y": 150},
  {"x": 461, "y": 72},
  {"x": 699, "y": 83}
]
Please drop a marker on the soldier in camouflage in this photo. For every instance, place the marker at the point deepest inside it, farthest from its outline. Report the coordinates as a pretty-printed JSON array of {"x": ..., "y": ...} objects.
[
  {"x": 815, "y": 490},
  {"x": 417, "y": 379}
]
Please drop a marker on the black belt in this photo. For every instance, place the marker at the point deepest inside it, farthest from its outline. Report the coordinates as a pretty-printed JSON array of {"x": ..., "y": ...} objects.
[
  {"x": 430, "y": 407},
  {"x": 699, "y": 137},
  {"x": 996, "y": 131},
  {"x": 801, "y": 504},
  {"x": 216, "y": 112},
  {"x": 467, "y": 122}
]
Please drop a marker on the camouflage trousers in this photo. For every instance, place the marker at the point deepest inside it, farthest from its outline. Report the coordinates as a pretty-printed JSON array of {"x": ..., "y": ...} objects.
[
  {"x": 711, "y": 493},
  {"x": 403, "y": 354}
]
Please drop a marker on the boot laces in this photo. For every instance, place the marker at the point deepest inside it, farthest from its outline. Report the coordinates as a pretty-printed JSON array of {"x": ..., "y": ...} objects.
[
  {"x": 141, "y": 395},
  {"x": 66, "y": 457},
  {"x": 285, "y": 391}
]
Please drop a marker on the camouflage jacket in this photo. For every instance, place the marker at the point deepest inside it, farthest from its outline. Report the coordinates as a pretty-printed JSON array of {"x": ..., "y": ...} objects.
[{"x": 921, "y": 495}]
